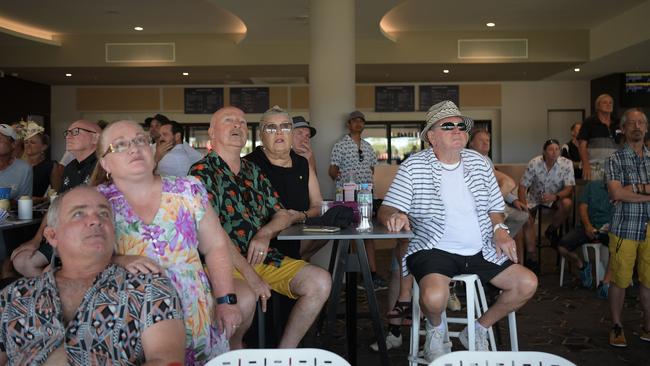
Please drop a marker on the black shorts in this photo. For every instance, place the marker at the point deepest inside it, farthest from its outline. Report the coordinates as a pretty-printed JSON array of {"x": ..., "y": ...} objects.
[{"x": 448, "y": 264}]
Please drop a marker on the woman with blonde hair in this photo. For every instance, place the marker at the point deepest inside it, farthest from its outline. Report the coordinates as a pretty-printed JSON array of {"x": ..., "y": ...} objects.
[{"x": 165, "y": 222}]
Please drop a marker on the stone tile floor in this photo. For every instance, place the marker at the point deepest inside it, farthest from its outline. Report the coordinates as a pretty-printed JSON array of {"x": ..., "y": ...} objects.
[{"x": 568, "y": 321}]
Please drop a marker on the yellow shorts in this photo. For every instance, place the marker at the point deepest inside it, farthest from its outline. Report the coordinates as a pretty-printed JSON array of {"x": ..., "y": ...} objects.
[
  {"x": 279, "y": 278},
  {"x": 623, "y": 253}
]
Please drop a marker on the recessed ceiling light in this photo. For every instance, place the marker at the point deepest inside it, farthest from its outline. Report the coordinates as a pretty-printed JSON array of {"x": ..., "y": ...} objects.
[
  {"x": 490, "y": 24},
  {"x": 138, "y": 28},
  {"x": 68, "y": 75},
  {"x": 577, "y": 69},
  {"x": 186, "y": 74},
  {"x": 445, "y": 71}
]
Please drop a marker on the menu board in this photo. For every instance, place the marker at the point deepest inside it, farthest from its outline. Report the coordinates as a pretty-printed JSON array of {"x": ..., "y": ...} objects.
[
  {"x": 395, "y": 98},
  {"x": 203, "y": 100},
  {"x": 250, "y": 100},
  {"x": 432, "y": 94}
]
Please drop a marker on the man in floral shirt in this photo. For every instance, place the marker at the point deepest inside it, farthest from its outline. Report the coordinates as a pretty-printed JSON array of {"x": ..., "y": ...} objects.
[
  {"x": 89, "y": 311},
  {"x": 252, "y": 215}
]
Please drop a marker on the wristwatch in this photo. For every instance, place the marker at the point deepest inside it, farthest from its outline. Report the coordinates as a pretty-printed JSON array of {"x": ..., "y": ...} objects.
[
  {"x": 227, "y": 299},
  {"x": 501, "y": 226}
]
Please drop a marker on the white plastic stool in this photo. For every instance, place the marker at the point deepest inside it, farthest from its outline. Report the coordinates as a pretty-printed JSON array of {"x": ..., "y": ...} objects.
[
  {"x": 601, "y": 267},
  {"x": 476, "y": 306}
]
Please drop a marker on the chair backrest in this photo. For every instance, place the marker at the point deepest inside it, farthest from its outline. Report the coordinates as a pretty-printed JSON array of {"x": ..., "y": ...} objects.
[
  {"x": 466, "y": 358},
  {"x": 279, "y": 357}
]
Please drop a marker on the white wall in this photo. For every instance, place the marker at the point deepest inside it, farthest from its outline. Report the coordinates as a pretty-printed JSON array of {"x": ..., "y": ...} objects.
[{"x": 524, "y": 107}]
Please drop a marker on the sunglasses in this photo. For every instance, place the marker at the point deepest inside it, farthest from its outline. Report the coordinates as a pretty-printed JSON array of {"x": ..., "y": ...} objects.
[
  {"x": 122, "y": 145},
  {"x": 75, "y": 131},
  {"x": 360, "y": 155},
  {"x": 272, "y": 128},
  {"x": 449, "y": 126}
]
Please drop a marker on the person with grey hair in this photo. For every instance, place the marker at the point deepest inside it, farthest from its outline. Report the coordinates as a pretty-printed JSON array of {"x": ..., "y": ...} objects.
[
  {"x": 15, "y": 173},
  {"x": 628, "y": 183},
  {"x": 597, "y": 138},
  {"x": 87, "y": 310},
  {"x": 448, "y": 196}
]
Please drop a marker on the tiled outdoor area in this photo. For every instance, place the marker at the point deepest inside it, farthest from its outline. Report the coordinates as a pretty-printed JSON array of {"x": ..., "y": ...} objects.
[{"x": 568, "y": 321}]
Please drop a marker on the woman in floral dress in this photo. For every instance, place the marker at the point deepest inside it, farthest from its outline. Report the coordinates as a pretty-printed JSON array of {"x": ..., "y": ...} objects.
[{"x": 164, "y": 223}]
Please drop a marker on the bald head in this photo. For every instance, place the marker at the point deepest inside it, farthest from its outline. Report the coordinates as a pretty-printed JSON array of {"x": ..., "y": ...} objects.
[{"x": 228, "y": 132}]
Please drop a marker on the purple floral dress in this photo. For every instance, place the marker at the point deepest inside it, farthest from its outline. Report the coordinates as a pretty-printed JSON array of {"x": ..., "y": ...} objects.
[{"x": 172, "y": 241}]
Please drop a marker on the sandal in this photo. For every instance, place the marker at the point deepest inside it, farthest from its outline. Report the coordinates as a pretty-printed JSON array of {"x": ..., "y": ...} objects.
[{"x": 402, "y": 310}]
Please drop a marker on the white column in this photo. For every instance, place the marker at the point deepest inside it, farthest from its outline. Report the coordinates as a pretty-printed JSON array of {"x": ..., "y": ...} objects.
[{"x": 331, "y": 78}]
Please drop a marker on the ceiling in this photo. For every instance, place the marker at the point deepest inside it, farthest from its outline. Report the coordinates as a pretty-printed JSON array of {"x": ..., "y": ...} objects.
[{"x": 262, "y": 25}]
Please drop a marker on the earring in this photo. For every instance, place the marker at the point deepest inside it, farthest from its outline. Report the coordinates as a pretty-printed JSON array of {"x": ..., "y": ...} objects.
[{"x": 108, "y": 176}]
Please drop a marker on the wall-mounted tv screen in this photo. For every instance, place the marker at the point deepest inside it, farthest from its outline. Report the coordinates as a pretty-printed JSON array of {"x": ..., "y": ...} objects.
[{"x": 637, "y": 83}]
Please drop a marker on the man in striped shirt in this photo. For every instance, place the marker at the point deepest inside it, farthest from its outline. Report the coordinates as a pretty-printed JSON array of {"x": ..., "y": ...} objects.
[{"x": 449, "y": 197}]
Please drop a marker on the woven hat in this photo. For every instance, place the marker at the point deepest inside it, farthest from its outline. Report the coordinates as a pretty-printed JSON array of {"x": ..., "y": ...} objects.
[
  {"x": 8, "y": 131},
  {"x": 301, "y": 122},
  {"x": 357, "y": 114},
  {"x": 32, "y": 129},
  {"x": 440, "y": 111}
]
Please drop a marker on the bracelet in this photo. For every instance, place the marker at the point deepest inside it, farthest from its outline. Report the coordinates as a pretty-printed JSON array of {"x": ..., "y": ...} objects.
[
  {"x": 634, "y": 189},
  {"x": 306, "y": 217}
]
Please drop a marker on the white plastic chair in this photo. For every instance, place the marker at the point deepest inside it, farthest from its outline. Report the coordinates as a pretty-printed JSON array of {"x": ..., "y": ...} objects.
[
  {"x": 279, "y": 357},
  {"x": 601, "y": 266},
  {"x": 476, "y": 306},
  {"x": 501, "y": 358}
]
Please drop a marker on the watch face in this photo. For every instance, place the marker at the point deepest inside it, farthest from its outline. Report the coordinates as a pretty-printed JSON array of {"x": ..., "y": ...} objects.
[{"x": 227, "y": 299}]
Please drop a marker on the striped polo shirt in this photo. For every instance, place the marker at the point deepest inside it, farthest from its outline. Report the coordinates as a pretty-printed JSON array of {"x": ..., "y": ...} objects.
[{"x": 416, "y": 192}]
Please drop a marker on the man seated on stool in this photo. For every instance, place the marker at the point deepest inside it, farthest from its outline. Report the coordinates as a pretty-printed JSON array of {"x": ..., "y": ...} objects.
[
  {"x": 89, "y": 311},
  {"x": 449, "y": 197},
  {"x": 595, "y": 210}
]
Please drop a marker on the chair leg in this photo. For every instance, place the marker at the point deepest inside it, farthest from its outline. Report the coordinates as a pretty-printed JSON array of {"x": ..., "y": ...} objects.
[
  {"x": 562, "y": 262},
  {"x": 512, "y": 329},
  {"x": 415, "y": 326}
]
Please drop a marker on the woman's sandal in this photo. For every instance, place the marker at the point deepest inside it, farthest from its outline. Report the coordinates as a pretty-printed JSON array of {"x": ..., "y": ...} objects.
[{"x": 402, "y": 310}]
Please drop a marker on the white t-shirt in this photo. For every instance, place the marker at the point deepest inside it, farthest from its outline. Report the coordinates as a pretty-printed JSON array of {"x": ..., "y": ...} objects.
[{"x": 462, "y": 232}]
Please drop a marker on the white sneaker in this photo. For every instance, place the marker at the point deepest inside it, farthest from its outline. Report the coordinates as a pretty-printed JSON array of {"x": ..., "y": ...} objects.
[
  {"x": 391, "y": 342},
  {"x": 434, "y": 344},
  {"x": 480, "y": 339},
  {"x": 453, "y": 303}
]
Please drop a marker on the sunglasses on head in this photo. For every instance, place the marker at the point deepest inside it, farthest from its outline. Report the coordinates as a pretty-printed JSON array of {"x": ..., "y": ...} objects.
[{"x": 449, "y": 126}]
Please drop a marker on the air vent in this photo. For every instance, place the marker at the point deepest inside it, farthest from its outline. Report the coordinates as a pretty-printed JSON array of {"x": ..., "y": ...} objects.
[
  {"x": 266, "y": 80},
  {"x": 492, "y": 48},
  {"x": 140, "y": 52}
]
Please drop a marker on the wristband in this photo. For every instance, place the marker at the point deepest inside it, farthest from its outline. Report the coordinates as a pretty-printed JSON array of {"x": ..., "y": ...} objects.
[{"x": 634, "y": 189}]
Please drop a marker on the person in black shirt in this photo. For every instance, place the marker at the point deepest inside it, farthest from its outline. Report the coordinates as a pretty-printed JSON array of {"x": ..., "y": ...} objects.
[
  {"x": 597, "y": 138},
  {"x": 571, "y": 151}
]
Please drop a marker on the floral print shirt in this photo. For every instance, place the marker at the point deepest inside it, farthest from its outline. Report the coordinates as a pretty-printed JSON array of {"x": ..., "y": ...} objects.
[
  {"x": 244, "y": 202},
  {"x": 106, "y": 329},
  {"x": 171, "y": 239},
  {"x": 540, "y": 180}
]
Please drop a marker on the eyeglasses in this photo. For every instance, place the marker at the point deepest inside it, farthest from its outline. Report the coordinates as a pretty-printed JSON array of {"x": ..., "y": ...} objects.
[
  {"x": 449, "y": 126},
  {"x": 75, "y": 131},
  {"x": 122, "y": 145},
  {"x": 360, "y": 155},
  {"x": 272, "y": 128}
]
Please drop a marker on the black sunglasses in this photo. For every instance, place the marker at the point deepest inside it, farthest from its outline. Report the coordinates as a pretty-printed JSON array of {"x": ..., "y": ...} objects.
[
  {"x": 360, "y": 155},
  {"x": 449, "y": 126}
]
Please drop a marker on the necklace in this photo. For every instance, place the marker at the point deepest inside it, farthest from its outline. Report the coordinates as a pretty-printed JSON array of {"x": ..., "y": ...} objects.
[{"x": 460, "y": 161}]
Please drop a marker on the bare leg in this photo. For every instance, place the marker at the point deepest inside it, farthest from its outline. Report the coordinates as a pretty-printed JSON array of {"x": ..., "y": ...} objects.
[
  {"x": 518, "y": 284},
  {"x": 309, "y": 247},
  {"x": 312, "y": 285},
  {"x": 570, "y": 255},
  {"x": 563, "y": 210},
  {"x": 530, "y": 241},
  {"x": 616, "y": 300},
  {"x": 434, "y": 293},
  {"x": 246, "y": 300},
  {"x": 645, "y": 305}
]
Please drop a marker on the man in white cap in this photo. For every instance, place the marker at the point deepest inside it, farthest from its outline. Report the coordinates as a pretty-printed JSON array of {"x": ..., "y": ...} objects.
[
  {"x": 449, "y": 197},
  {"x": 14, "y": 173}
]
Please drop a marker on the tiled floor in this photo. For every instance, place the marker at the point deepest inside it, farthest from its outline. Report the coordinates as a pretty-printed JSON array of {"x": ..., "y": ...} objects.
[{"x": 568, "y": 321}]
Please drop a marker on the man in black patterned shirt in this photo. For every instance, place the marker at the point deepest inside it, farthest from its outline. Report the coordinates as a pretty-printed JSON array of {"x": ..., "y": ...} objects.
[{"x": 89, "y": 311}]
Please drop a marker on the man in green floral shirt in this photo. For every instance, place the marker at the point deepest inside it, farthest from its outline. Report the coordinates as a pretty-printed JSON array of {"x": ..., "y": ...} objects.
[{"x": 252, "y": 215}]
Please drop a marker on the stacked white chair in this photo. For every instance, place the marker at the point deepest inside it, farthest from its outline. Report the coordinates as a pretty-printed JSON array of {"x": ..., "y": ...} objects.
[
  {"x": 476, "y": 306},
  {"x": 466, "y": 358},
  {"x": 279, "y": 357}
]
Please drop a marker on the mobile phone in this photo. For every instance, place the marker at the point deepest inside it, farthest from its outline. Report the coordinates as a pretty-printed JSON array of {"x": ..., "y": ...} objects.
[{"x": 321, "y": 229}]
